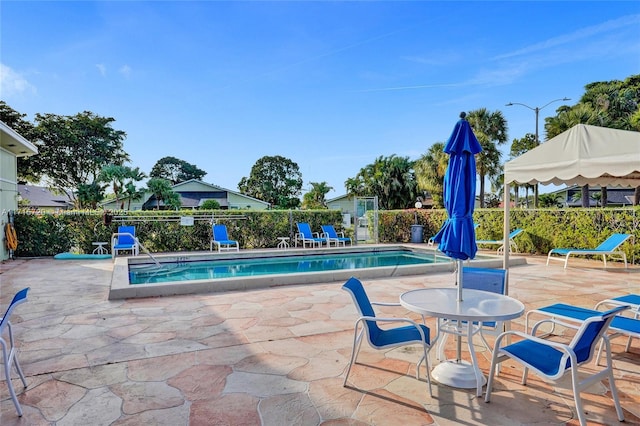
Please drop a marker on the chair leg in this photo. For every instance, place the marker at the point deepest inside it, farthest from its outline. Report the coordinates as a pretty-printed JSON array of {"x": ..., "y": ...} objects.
[
  {"x": 612, "y": 384},
  {"x": 8, "y": 360},
  {"x": 357, "y": 341},
  {"x": 576, "y": 397},
  {"x": 495, "y": 361},
  {"x": 426, "y": 362}
]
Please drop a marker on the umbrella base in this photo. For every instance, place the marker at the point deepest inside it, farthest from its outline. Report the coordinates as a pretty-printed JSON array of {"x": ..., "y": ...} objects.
[{"x": 458, "y": 374}]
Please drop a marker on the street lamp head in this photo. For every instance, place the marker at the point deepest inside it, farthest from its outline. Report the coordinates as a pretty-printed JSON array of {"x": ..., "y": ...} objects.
[
  {"x": 566, "y": 99},
  {"x": 509, "y": 104}
]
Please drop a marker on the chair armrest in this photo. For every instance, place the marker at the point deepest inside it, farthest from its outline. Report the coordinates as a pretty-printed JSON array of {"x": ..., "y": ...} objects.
[
  {"x": 557, "y": 345},
  {"x": 554, "y": 321},
  {"x": 386, "y": 303}
]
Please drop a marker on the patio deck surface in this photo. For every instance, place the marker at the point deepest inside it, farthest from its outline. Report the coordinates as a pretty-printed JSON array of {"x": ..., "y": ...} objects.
[{"x": 274, "y": 356}]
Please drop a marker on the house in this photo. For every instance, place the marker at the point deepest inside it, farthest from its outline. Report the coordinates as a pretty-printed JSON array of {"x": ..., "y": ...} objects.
[
  {"x": 43, "y": 199},
  {"x": 12, "y": 146},
  {"x": 193, "y": 193},
  {"x": 616, "y": 197}
]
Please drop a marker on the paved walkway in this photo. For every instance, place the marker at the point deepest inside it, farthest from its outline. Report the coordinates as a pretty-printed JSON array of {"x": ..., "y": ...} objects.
[{"x": 271, "y": 357}]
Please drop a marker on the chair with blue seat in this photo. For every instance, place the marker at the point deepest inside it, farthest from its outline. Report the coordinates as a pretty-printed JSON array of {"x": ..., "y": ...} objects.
[
  {"x": 125, "y": 240},
  {"x": 608, "y": 247},
  {"x": 513, "y": 247},
  {"x": 552, "y": 359},
  {"x": 384, "y": 338},
  {"x": 306, "y": 236},
  {"x": 220, "y": 239},
  {"x": 491, "y": 280},
  {"x": 9, "y": 350},
  {"x": 330, "y": 235},
  {"x": 626, "y": 324}
]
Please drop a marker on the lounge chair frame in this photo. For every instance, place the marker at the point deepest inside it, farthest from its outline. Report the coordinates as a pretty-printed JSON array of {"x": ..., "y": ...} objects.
[{"x": 513, "y": 247}]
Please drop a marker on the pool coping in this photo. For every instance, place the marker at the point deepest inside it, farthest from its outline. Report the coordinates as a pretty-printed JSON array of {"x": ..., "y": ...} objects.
[{"x": 121, "y": 289}]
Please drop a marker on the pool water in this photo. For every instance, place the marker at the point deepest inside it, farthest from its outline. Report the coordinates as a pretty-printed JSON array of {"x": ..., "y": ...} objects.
[{"x": 230, "y": 268}]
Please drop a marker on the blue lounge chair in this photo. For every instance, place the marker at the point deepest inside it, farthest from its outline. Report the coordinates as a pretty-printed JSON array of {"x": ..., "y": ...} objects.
[
  {"x": 305, "y": 236},
  {"x": 330, "y": 235},
  {"x": 9, "y": 351},
  {"x": 384, "y": 338},
  {"x": 513, "y": 247},
  {"x": 220, "y": 239},
  {"x": 125, "y": 240},
  {"x": 608, "y": 248},
  {"x": 552, "y": 359}
]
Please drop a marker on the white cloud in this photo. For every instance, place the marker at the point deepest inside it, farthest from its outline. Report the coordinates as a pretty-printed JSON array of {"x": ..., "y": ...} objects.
[
  {"x": 13, "y": 83},
  {"x": 102, "y": 69},
  {"x": 125, "y": 70}
]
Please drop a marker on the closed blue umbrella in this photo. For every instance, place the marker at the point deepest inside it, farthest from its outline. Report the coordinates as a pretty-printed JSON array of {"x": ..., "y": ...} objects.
[{"x": 457, "y": 237}]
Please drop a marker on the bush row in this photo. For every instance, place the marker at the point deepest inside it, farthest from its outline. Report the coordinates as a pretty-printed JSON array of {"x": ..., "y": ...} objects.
[{"x": 49, "y": 234}]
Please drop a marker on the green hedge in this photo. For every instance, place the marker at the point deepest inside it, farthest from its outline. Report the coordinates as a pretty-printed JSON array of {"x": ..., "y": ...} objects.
[
  {"x": 43, "y": 234},
  {"x": 544, "y": 228},
  {"x": 50, "y": 234}
]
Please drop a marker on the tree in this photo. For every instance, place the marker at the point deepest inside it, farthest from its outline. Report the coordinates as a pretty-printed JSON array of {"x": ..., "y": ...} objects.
[
  {"x": 491, "y": 130},
  {"x": 17, "y": 122},
  {"x": 121, "y": 178},
  {"x": 315, "y": 198},
  {"x": 392, "y": 179},
  {"x": 163, "y": 191},
  {"x": 73, "y": 149},
  {"x": 274, "y": 179},
  {"x": 430, "y": 169},
  {"x": 210, "y": 204},
  {"x": 88, "y": 195},
  {"x": 175, "y": 170},
  {"x": 550, "y": 200},
  {"x": 519, "y": 147}
]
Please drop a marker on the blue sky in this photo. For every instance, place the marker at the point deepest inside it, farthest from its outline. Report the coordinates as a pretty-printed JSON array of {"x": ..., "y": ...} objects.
[{"x": 330, "y": 85}]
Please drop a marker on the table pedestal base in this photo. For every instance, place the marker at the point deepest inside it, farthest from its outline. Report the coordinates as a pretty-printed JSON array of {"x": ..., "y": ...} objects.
[{"x": 457, "y": 374}]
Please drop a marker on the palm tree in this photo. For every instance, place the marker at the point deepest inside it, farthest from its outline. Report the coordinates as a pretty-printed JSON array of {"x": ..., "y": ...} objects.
[
  {"x": 430, "y": 169},
  {"x": 491, "y": 130},
  {"x": 315, "y": 198},
  {"x": 162, "y": 190}
]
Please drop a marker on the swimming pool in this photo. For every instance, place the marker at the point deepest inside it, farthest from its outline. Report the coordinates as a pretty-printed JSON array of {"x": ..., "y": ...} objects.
[{"x": 250, "y": 269}]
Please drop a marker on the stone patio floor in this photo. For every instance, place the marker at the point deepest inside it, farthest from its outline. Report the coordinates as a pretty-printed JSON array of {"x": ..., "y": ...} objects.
[{"x": 274, "y": 356}]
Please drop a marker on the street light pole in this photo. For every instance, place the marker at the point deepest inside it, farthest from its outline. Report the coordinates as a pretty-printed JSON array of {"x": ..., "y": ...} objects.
[{"x": 537, "y": 111}]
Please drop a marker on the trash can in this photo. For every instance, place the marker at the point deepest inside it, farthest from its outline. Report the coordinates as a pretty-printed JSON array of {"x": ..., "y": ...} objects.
[{"x": 416, "y": 233}]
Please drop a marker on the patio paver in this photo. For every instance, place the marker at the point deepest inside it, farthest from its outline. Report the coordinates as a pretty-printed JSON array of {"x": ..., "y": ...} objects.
[{"x": 272, "y": 356}]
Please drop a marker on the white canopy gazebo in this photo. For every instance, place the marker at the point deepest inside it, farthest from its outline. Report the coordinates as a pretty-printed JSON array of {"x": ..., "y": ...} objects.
[{"x": 583, "y": 155}]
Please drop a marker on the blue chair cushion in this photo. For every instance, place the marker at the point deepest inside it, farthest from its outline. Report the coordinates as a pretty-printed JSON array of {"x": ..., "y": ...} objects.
[{"x": 543, "y": 357}]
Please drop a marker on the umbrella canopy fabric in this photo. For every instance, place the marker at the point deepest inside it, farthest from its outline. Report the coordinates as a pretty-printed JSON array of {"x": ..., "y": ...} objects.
[{"x": 457, "y": 237}]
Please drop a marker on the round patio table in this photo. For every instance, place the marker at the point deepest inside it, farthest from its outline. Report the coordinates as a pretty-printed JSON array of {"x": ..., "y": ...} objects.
[{"x": 476, "y": 306}]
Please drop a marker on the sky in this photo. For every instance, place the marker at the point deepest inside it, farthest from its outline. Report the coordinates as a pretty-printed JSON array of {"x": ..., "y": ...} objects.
[{"x": 330, "y": 85}]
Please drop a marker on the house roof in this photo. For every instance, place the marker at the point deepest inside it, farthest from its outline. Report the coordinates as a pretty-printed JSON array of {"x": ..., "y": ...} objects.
[
  {"x": 41, "y": 197},
  {"x": 15, "y": 143}
]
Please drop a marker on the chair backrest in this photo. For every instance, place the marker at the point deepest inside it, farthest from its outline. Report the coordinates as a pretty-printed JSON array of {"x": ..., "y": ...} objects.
[
  {"x": 486, "y": 279},
  {"x": 354, "y": 287},
  {"x": 19, "y": 298},
  {"x": 613, "y": 242},
  {"x": 305, "y": 229},
  {"x": 330, "y": 231},
  {"x": 590, "y": 332},
  {"x": 220, "y": 233},
  {"x": 515, "y": 232},
  {"x": 126, "y": 239}
]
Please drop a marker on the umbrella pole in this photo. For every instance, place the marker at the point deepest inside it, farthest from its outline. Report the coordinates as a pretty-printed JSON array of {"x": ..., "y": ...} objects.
[{"x": 459, "y": 284}]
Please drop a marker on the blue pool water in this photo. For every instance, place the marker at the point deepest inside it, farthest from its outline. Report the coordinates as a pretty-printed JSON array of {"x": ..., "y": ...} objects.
[{"x": 250, "y": 267}]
